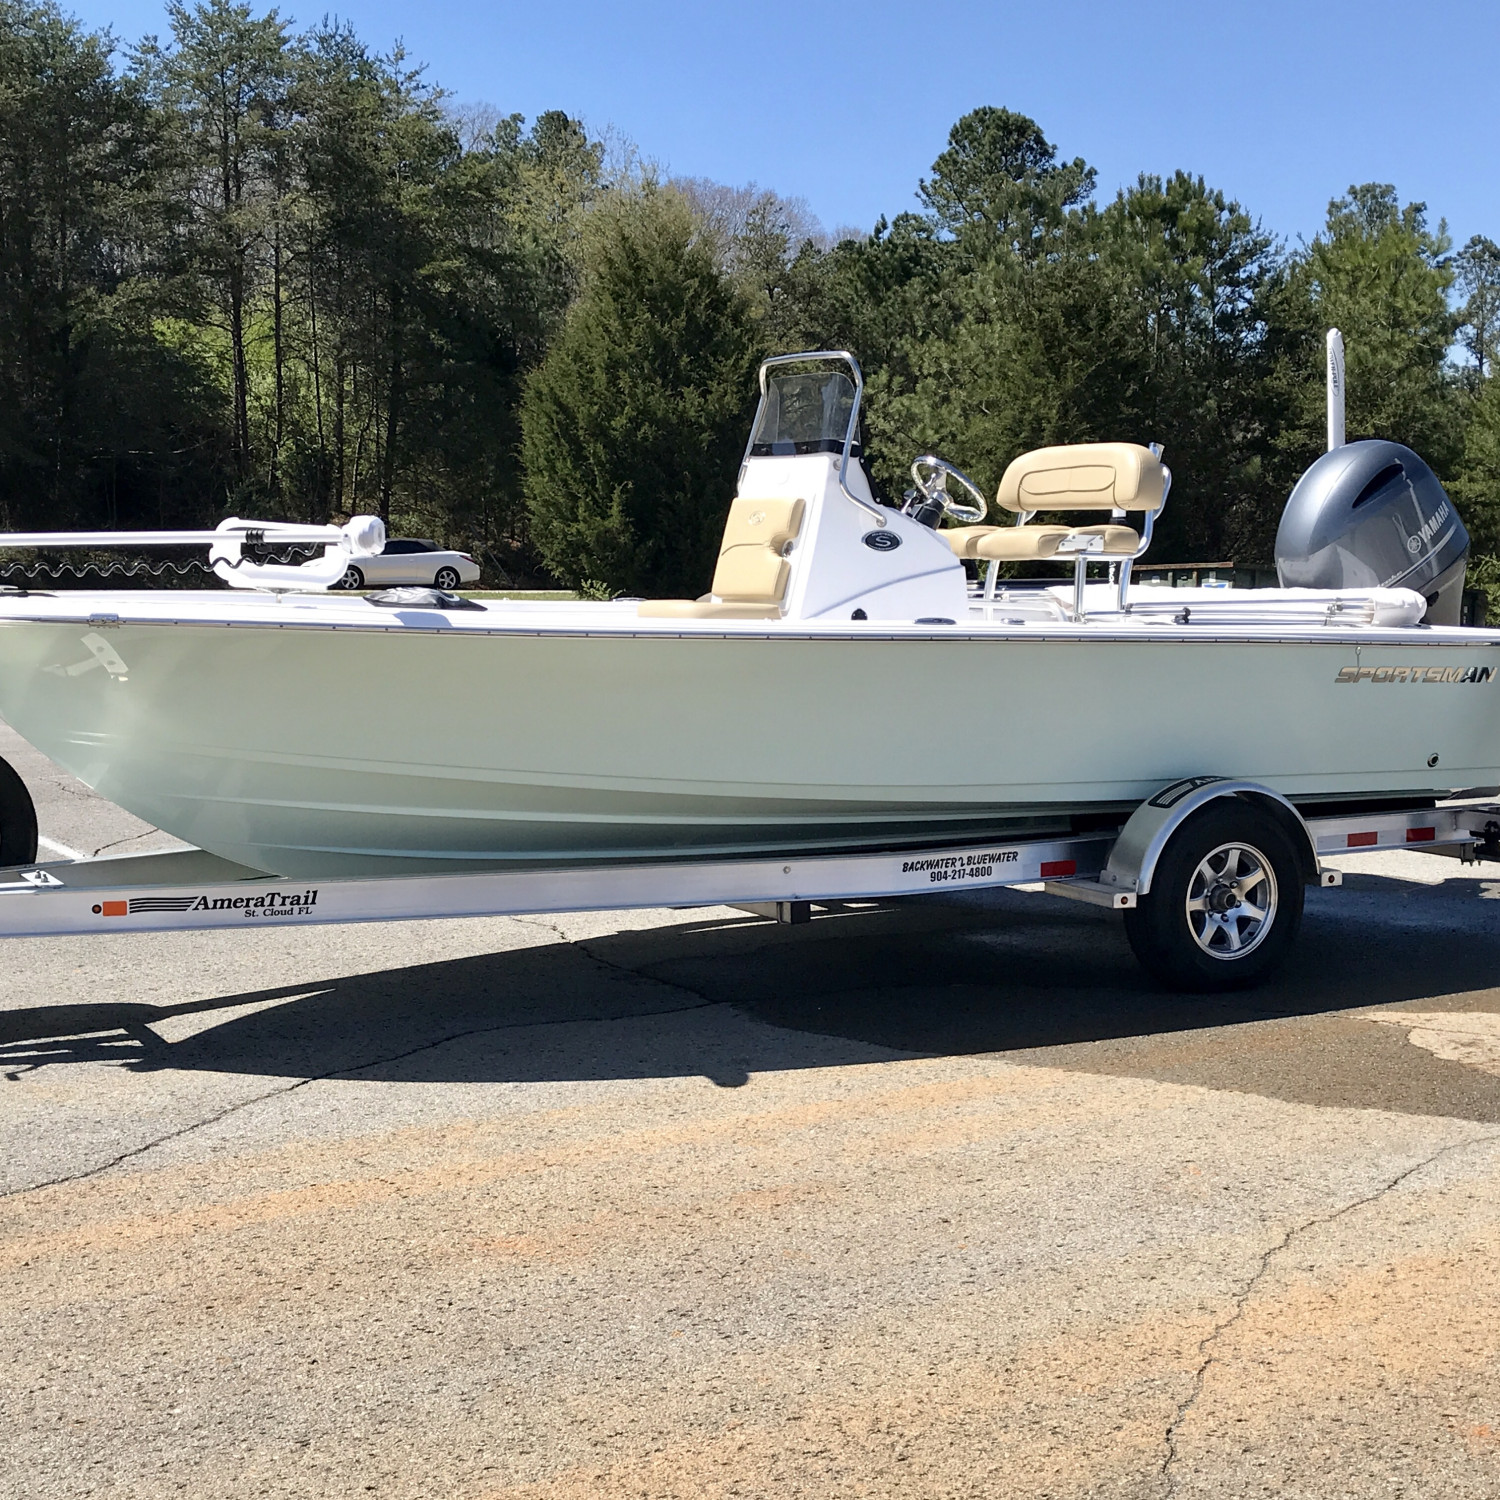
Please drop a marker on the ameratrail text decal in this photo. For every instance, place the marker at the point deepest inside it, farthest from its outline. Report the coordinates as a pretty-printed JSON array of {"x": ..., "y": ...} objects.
[
  {"x": 1416, "y": 674},
  {"x": 270, "y": 904}
]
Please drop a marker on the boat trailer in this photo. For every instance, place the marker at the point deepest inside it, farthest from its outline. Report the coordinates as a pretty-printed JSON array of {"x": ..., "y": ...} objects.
[{"x": 190, "y": 889}]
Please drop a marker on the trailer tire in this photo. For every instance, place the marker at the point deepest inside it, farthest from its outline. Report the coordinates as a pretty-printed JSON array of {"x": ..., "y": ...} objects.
[
  {"x": 17, "y": 819},
  {"x": 1225, "y": 903}
]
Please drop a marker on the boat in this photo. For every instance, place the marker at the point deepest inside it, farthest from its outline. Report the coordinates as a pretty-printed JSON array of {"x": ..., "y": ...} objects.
[{"x": 857, "y": 675}]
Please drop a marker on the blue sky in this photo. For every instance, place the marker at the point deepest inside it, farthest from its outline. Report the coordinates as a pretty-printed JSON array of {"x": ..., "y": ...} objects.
[{"x": 1280, "y": 104}]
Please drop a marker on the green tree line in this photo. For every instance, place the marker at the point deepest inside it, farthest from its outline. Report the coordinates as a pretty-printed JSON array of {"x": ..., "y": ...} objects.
[{"x": 248, "y": 269}]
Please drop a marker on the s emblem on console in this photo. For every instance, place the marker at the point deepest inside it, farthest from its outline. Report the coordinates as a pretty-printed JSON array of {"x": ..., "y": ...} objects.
[{"x": 881, "y": 541}]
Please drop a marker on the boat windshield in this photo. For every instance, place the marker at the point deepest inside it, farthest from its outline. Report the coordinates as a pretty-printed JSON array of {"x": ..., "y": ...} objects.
[{"x": 806, "y": 412}]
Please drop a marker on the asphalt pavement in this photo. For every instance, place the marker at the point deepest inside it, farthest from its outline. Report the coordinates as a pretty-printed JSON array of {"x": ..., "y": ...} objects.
[{"x": 916, "y": 1200}]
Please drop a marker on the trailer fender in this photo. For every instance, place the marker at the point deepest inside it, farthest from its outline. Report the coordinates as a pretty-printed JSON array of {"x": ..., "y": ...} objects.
[{"x": 1133, "y": 859}]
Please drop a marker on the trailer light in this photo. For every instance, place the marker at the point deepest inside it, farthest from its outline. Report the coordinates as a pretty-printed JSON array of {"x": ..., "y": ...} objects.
[
  {"x": 1052, "y": 868},
  {"x": 1420, "y": 835},
  {"x": 1362, "y": 840}
]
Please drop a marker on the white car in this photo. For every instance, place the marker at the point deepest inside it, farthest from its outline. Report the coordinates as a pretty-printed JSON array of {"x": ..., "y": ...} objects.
[{"x": 412, "y": 560}]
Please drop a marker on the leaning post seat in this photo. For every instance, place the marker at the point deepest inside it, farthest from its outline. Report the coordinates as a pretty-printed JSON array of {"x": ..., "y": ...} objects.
[
  {"x": 1113, "y": 477},
  {"x": 1085, "y": 476},
  {"x": 751, "y": 576}
]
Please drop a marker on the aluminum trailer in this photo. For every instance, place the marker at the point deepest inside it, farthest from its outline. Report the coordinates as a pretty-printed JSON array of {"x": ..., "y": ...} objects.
[{"x": 1209, "y": 873}]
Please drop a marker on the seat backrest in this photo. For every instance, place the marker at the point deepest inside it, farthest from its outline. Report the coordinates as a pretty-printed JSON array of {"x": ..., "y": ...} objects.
[
  {"x": 1085, "y": 476},
  {"x": 751, "y": 568}
]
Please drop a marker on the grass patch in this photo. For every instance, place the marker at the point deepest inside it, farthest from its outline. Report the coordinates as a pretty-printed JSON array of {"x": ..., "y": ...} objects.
[{"x": 561, "y": 595}]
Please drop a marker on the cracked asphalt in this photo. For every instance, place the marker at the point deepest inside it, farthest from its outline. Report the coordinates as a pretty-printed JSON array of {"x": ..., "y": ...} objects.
[{"x": 917, "y": 1200}]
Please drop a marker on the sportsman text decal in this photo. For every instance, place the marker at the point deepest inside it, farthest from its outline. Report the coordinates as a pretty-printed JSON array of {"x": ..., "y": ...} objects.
[{"x": 1416, "y": 674}]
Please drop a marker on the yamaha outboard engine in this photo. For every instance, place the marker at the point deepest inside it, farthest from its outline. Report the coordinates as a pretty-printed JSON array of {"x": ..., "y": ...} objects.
[{"x": 1373, "y": 515}]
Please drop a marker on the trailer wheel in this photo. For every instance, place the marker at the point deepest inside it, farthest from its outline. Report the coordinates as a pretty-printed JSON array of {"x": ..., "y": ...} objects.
[
  {"x": 17, "y": 819},
  {"x": 1225, "y": 901}
]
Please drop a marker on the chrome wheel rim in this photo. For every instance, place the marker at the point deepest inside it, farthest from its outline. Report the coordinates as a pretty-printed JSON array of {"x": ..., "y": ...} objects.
[{"x": 1231, "y": 901}]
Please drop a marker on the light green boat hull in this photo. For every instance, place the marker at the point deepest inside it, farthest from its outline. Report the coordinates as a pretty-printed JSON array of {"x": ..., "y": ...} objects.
[{"x": 324, "y": 750}]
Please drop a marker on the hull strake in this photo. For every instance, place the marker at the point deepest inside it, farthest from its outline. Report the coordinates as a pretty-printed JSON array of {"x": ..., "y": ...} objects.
[{"x": 323, "y": 752}]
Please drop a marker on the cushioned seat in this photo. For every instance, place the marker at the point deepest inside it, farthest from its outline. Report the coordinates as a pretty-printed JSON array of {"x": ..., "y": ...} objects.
[
  {"x": 1113, "y": 477},
  {"x": 1006, "y": 543},
  {"x": 1085, "y": 476},
  {"x": 751, "y": 576},
  {"x": 1026, "y": 543},
  {"x": 1019, "y": 543},
  {"x": 962, "y": 538}
]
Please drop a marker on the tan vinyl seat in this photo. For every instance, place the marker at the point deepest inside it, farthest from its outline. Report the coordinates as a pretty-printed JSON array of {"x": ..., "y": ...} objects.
[
  {"x": 1085, "y": 476},
  {"x": 1080, "y": 476},
  {"x": 1038, "y": 543},
  {"x": 751, "y": 576},
  {"x": 1018, "y": 543}
]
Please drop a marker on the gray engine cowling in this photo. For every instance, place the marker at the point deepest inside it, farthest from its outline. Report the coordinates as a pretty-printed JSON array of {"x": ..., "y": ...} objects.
[{"x": 1373, "y": 515}]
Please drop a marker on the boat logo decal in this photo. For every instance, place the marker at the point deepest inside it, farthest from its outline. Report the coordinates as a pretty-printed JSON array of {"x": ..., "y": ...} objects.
[
  {"x": 1416, "y": 674},
  {"x": 268, "y": 904},
  {"x": 881, "y": 541},
  {"x": 1429, "y": 528}
]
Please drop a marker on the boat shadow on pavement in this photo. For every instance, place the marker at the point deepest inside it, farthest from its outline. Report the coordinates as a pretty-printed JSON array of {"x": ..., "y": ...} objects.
[{"x": 1042, "y": 981}]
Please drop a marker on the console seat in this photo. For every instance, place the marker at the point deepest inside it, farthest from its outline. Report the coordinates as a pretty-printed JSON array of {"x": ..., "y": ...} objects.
[
  {"x": 1029, "y": 543},
  {"x": 1081, "y": 476},
  {"x": 1009, "y": 543},
  {"x": 751, "y": 575}
]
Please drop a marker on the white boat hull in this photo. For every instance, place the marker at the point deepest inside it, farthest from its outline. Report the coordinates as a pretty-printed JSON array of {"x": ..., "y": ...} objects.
[{"x": 325, "y": 749}]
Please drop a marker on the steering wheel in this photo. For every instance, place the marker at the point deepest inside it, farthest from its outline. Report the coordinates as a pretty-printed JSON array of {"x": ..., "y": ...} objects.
[{"x": 933, "y": 491}]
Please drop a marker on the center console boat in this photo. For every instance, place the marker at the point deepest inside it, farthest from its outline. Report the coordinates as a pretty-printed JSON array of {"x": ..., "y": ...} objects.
[{"x": 857, "y": 676}]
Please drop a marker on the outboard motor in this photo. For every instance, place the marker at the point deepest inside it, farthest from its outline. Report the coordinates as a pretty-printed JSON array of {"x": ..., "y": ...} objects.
[{"x": 1373, "y": 515}]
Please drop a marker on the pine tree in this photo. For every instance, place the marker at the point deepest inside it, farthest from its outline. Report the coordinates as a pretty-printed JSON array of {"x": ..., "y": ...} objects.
[
  {"x": 1379, "y": 274},
  {"x": 99, "y": 422},
  {"x": 635, "y": 421},
  {"x": 223, "y": 84},
  {"x": 1477, "y": 273}
]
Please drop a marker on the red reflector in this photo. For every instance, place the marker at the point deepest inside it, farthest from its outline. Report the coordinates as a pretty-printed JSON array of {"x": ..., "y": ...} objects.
[
  {"x": 1420, "y": 835},
  {"x": 1356, "y": 840},
  {"x": 116, "y": 908},
  {"x": 1052, "y": 867}
]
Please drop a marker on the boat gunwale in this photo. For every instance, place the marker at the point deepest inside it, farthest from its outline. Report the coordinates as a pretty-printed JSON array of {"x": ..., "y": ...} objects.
[{"x": 886, "y": 632}]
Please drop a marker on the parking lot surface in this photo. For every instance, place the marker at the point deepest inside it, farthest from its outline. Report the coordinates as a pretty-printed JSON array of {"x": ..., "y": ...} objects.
[{"x": 917, "y": 1200}]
